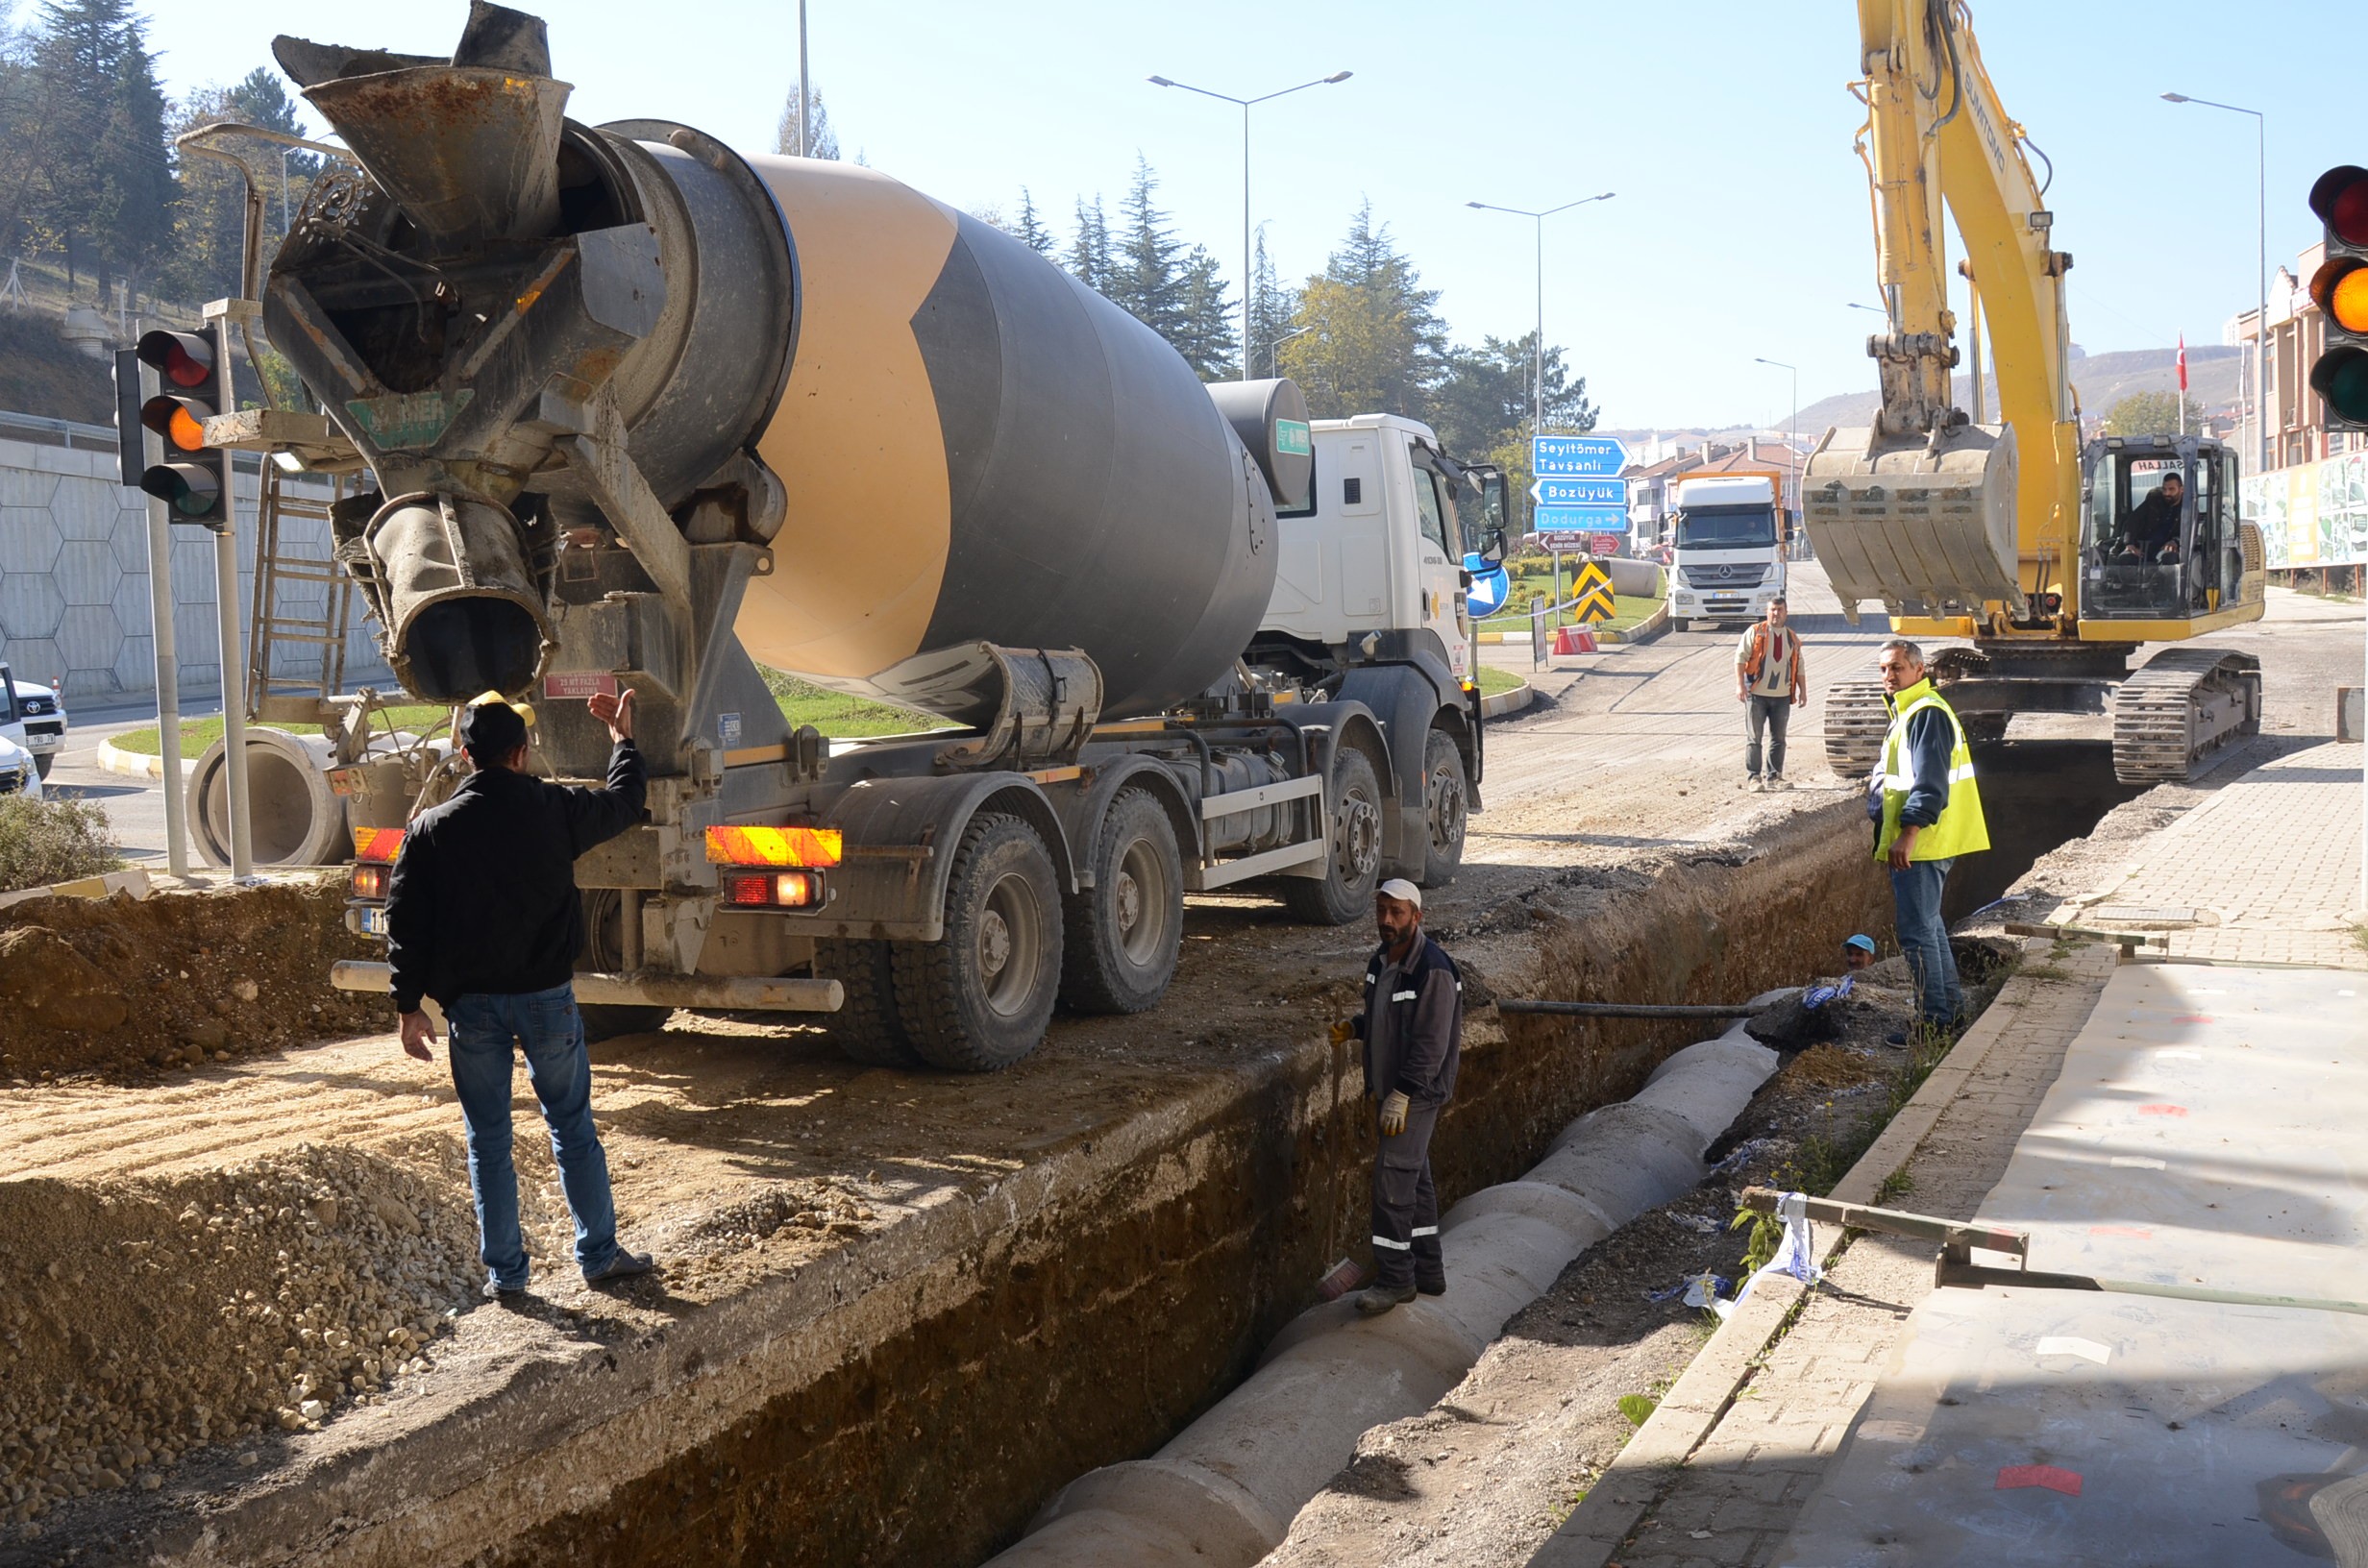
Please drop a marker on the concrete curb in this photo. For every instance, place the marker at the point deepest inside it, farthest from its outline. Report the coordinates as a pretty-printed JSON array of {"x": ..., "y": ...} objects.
[
  {"x": 136, "y": 764},
  {"x": 1225, "y": 1488},
  {"x": 1634, "y": 1482},
  {"x": 133, "y": 882},
  {"x": 1648, "y": 630},
  {"x": 1512, "y": 702}
]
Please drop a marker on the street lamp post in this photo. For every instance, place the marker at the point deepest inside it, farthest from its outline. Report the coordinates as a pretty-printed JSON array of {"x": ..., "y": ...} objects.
[
  {"x": 2260, "y": 321},
  {"x": 1247, "y": 105},
  {"x": 1537, "y": 384},
  {"x": 1792, "y": 479},
  {"x": 1274, "y": 350}
]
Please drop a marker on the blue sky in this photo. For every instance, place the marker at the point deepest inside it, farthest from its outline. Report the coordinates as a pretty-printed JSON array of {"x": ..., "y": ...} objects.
[{"x": 1740, "y": 225}]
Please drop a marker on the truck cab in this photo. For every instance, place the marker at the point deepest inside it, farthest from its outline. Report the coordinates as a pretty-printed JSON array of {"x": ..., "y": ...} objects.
[
  {"x": 1379, "y": 545},
  {"x": 33, "y": 717},
  {"x": 1726, "y": 556}
]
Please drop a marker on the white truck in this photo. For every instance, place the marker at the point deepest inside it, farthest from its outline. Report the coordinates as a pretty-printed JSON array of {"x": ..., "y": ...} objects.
[
  {"x": 33, "y": 717},
  {"x": 1727, "y": 555}
]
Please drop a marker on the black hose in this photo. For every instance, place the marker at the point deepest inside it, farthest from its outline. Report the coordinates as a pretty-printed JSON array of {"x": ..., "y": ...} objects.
[
  {"x": 2044, "y": 159},
  {"x": 1626, "y": 1010}
]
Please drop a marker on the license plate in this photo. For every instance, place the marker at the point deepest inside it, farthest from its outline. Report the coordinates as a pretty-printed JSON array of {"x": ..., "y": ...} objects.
[{"x": 369, "y": 920}]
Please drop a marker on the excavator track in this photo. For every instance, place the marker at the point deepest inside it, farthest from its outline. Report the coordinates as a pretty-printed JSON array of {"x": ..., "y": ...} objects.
[
  {"x": 1856, "y": 720},
  {"x": 2183, "y": 705}
]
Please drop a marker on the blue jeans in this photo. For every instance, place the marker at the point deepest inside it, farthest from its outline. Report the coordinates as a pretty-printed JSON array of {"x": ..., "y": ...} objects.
[
  {"x": 546, "y": 1026},
  {"x": 1924, "y": 940}
]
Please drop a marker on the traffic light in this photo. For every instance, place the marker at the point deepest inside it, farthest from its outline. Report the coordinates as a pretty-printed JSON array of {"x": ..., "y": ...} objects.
[
  {"x": 2340, "y": 289},
  {"x": 194, "y": 480}
]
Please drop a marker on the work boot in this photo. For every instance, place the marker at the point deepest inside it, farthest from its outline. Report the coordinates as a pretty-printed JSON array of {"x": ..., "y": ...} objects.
[
  {"x": 1778, "y": 781},
  {"x": 1432, "y": 1288},
  {"x": 1376, "y": 1299},
  {"x": 1750, "y": 784},
  {"x": 624, "y": 1265}
]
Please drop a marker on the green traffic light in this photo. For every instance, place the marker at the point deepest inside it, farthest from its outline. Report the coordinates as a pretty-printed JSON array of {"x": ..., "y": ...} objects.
[{"x": 2341, "y": 378}]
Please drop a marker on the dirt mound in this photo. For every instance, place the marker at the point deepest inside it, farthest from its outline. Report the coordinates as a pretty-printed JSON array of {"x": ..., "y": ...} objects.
[
  {"x": 126, "y": 986},
  {"x": 143, "y": 1319}
]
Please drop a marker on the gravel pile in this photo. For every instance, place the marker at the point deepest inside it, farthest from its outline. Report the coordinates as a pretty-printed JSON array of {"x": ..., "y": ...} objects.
[{"x": 145, "y": 1319}]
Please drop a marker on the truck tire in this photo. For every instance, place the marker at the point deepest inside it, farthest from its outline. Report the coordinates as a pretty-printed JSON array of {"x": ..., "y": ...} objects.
[
  {"x": 1119, "y": 950},
  {"x": 607, "y": 1022},
  {"x": 865, "y": 1028},
  {"x": 1447, "y": 801},
  {"x": 1352, "y": 864},
  {"x": 980, "y": 999}
]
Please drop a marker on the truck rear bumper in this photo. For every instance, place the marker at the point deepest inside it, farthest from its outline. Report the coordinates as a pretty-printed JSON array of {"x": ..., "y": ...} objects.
[{"x": 722, "y": 992}]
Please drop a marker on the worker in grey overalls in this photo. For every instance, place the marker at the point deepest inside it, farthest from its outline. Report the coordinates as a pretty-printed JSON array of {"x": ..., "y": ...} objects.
[{"x": 1412, "y": 1030}]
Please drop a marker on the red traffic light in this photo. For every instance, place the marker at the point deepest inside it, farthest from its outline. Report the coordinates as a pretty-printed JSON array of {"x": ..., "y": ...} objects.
[
  {"x": 2340, "y": 199},
  {"x": 191, "y": 489},
  {"x": 183, "y": 358}
]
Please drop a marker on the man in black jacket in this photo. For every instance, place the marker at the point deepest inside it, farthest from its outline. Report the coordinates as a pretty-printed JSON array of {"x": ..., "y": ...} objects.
[
  {"x": 1412, "y": 1030},
  {"x": 483, "y": 914}
]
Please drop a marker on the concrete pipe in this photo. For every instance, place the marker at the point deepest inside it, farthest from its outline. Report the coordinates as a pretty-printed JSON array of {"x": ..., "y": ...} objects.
[
  {"x": 294, "y": 819},
  {"x": 1227, "y": 1487},
  {"x": 1640, "y": 579}
]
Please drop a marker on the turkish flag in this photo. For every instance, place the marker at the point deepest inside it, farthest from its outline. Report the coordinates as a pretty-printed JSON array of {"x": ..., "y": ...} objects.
[{"x": 2183, "y": 361}]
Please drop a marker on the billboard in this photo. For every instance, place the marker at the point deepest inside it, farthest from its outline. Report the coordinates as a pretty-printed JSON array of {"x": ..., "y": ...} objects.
[{"x": 2311, "y": 514}]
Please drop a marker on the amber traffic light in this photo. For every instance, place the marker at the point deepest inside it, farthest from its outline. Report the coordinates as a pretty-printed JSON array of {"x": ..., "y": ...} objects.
[
  {"x": 194, "y": 479},
  {"x": 2340, "y": 290}
]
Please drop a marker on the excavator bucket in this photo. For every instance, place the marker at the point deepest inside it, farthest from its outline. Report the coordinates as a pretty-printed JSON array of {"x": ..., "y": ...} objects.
[{"x": 1923, "y": 525}]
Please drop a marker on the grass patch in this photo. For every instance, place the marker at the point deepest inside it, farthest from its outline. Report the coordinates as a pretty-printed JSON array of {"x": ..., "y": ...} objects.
[
  {"x": 52, "y": 840},
  {"x": 1494, "y": 681},
  {"x": 1638, "y": 1408},
  {"x": 802, "y": 703}
]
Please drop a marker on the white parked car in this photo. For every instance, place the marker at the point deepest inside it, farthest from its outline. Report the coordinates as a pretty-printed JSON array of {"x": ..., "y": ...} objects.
[
  {"x": 21, "y": 772},
  {"x": 33, "y": 717}
]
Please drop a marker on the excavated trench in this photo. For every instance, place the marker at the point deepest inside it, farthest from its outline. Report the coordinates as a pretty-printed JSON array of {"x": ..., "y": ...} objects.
[{"x": 915, "y": 1396}]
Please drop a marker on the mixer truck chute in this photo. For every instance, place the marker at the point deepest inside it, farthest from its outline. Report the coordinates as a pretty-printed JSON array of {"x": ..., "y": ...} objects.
[{"x": 638, "y": 408}]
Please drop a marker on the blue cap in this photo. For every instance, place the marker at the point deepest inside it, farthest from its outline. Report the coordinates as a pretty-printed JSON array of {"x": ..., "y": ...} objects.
[{"x": 1864, "y": 944}]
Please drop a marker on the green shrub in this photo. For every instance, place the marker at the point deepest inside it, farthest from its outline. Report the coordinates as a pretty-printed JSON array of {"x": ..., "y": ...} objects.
[{"x": 52, "y": 840}]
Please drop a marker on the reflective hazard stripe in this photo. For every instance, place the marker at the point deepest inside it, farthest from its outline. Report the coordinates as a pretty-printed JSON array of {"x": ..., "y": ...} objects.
[
  {"x": 1962, "y": 771},
  {"x": 1402, "y": 995},
  {"x": 1394, "y": 1246},
  {"x": 1369, "y": 980},
  {"x": 1426, "y": 1229}
]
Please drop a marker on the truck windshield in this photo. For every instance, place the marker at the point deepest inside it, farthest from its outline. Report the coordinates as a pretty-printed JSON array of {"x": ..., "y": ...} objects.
[{"x": 1726, "y": 527}]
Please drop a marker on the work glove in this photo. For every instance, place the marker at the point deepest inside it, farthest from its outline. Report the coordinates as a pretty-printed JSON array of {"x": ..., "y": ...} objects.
[
  {"x": 1394, "y": 1107},
  {"x": 1343, "y": 1032}
]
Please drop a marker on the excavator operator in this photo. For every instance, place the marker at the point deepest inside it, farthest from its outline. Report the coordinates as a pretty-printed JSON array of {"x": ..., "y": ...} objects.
[{"x": 2151, "y": 530}]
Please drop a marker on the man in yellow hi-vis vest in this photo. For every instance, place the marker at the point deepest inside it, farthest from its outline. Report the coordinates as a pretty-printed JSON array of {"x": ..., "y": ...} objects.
[{"x": 1927, "y": 811}]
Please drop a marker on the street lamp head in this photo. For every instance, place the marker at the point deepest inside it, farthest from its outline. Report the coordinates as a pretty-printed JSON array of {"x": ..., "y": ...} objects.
[
  {"x": 1340, "y": 76},
  {"x": 1160, "y": 82},
  {"x": 1483, "y": 206},
  {"x": 2175, "y": 98},
  {"x": 1607, "y": 195}
]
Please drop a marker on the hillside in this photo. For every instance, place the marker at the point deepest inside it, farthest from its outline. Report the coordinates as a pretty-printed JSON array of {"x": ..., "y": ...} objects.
[
  {"x": 41, "y": 375},
  {"x": 2101, "y": 381}
]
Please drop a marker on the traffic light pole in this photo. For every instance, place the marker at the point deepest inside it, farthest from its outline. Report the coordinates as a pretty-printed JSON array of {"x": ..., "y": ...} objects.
[
  {"x": 234, "y": 644},
  {"x": 169, "y": 687}
]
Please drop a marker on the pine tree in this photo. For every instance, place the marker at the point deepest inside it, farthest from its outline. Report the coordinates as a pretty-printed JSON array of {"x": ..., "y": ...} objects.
[
  {"x": 822, "y": 142},
  {"x": 131, "y": 220},
  {"x": 1375, "y": 343},
  {"x": 1030, "y": 226},
  {"x": 1089, "y": 252},
  {"x": 1204, "y": 334},
  {"x": 81, "y": 53},
  {"x": 1270, "y": 309},
  {"x": 1148, "y": 281}
]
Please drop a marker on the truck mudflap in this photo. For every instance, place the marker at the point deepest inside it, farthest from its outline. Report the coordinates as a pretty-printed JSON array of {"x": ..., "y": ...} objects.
[{"x": 723, "y": 993}]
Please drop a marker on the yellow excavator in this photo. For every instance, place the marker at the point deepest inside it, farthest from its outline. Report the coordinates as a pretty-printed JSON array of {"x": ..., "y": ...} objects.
[{"x": 2053, "y": 560}]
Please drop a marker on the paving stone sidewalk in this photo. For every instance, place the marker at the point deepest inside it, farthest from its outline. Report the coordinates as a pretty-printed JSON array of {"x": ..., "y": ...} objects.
[
  {"x": 2270, "y": 863},
  {"x": 1733, "y": 1499}
]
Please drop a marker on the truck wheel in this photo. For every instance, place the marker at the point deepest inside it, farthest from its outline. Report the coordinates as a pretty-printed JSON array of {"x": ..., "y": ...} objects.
[
  {"x": 609, "y": 1020},
  {"x": 1119, "y": 948},
  {"x": 1445, "y": 800},
  {"x": 865, "y": 1028},
  {"x": 980, "y": 999},
  {"x": 1353, "y": 865}
]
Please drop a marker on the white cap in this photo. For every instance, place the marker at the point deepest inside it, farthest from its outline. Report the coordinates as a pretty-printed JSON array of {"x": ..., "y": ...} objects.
[{"x": 1401, "y": 890}]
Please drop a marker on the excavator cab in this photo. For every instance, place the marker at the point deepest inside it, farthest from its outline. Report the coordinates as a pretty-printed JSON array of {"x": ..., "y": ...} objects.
[{"x": 2158, "y": 529}]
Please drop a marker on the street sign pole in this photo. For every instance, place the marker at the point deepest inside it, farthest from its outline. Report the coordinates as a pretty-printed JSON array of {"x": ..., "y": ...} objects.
[
  {"x": 234, "y": 644},
  {"x": 131, "y": 392}
]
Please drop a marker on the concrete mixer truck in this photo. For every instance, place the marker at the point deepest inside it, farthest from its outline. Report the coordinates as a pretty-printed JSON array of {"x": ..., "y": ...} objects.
[{"x": 644, "y": 411}]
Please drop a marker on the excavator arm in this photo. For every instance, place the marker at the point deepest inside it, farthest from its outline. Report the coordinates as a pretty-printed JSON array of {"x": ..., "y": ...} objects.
[{"x": 1939, "y": 517}]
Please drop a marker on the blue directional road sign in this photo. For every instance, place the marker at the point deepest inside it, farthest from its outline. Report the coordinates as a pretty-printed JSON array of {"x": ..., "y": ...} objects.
[
  {"x": 1582, "y": 520},
  {"x": 1580, "y": 493},
  {"x": 1576, "y": 456}
]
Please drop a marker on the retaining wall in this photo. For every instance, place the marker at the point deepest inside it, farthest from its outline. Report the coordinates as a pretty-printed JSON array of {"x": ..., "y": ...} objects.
[{"x": 74, "y": 599}]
